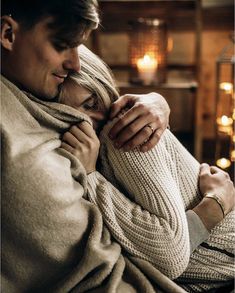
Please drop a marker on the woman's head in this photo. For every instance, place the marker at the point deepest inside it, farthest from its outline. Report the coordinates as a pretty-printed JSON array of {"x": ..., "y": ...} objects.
[{"x": 92, "y": 90}]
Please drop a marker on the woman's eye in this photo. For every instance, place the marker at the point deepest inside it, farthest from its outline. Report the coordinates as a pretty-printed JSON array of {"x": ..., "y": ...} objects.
[{"x": 91, "y": 104}]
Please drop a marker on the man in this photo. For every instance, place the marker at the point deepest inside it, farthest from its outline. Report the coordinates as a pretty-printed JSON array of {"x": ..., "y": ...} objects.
[
  {"x": 52, "y": 238},
  {"x": 63, "y": 42}
]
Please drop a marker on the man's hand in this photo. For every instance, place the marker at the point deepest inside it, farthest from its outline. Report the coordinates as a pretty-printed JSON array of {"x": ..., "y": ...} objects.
[
  {"x": 82, "y": 142},
  {"x": 142, "y": 124}
]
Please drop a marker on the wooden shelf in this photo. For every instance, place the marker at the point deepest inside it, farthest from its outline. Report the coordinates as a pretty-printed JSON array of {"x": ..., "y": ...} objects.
[
  {"x": 168, "y": 85},
  {"x": 180, "y": 15},
  {"x": 176, "y": 80}
]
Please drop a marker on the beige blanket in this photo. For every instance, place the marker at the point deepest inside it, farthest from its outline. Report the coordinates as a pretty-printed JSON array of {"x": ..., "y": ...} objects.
[{"x": 53, "y": 239}]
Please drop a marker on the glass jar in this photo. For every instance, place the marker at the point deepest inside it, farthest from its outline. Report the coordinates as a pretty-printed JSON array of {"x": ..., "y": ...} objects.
[{"x": 148, "y": 50}]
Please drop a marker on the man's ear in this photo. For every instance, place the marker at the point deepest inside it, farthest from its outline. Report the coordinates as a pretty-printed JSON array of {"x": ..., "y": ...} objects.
[{"x": 8, "y": 30}]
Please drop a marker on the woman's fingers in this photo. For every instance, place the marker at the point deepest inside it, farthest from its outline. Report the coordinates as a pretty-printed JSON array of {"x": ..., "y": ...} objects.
[
  {"x": 79, "y": 133},
  {"x": 86, "y": 128},
  {"x": 67, "y": 147},
  {"x": 204, "y": 168},
  {"x": 82, "y": 142},
  {"x": 73, "y": 139},
  {"x": 215, "y": 170}
]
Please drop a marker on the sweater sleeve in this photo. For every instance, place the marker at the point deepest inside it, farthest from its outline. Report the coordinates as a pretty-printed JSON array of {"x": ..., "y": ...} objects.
[
  {"x": 160, "y": 238},
  {"x": 145, "y": 210},
  {"x": 197, "y": 230}
]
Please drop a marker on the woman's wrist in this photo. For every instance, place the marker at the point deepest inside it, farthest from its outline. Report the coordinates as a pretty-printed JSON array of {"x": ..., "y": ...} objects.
[{"x": 209, "y": 212}]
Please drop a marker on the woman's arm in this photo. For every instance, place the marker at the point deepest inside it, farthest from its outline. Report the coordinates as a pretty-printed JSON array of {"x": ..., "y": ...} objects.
[
  {"x": 161, "y": 221},
  {"x": 151, "y": 181},
  {"x": 161, "y": 238},
  {"x": 156, "y": 233}
]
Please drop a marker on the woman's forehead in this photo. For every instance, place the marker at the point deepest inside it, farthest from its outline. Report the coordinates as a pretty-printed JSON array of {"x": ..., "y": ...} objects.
[{"x": 78, "y": 93}]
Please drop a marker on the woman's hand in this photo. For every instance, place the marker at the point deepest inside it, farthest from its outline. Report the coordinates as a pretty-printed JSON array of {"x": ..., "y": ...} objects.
[
  {"x": 143, "y": 124},
  {"x": 82, "y": 142},
  {"x": 214, "y": 180}
]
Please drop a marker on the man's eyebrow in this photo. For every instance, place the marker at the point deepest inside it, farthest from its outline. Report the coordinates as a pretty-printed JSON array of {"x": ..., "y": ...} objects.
[{"x": 69, "y": 43}]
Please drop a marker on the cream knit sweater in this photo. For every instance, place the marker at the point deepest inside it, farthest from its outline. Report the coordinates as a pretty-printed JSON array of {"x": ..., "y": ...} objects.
[{"x": 146, "y": 211}]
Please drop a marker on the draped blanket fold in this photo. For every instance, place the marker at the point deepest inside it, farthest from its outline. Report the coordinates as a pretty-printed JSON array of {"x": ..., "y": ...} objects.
[{"x": 53, "y": 238}]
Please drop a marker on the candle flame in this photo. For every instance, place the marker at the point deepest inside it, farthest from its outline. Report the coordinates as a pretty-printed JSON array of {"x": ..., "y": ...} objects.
[{"x": 147, "y": 62}]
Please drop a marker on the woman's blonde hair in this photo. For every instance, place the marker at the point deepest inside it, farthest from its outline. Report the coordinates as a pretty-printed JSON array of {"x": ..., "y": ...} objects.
[{"x": 95, "y": 76}]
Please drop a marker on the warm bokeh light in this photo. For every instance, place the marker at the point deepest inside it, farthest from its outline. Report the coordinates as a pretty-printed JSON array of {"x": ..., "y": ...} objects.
[
  {"x": 223, "y": 163},
  {"x": 225, "y": 120},
  {"x": 225, "y": 124},
  {"x": 233, "y": 155},
  {"x": 233, "y": 116},
  {"x": 169, "y": 44},
  {"x": 227, "y": 87}
]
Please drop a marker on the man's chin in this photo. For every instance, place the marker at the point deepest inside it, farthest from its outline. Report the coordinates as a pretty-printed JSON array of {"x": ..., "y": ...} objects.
[{"x": 51, "y": 96}]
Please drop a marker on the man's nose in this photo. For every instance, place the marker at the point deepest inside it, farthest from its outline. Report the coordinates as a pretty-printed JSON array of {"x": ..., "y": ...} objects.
[{"x": 72, "y": 62}]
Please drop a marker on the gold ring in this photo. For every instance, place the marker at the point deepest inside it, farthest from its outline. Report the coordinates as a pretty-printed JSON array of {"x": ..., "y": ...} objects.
[{"x": 151, "y": 127}]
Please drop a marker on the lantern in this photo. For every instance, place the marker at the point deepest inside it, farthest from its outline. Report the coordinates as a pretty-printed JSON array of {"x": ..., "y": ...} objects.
[
  {"x": 225, "y": 108},
  {"x": 148, "y": 51}
]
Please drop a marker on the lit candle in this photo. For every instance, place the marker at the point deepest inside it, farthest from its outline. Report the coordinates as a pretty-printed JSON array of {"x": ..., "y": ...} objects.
[
  {"x": 147, "y": 67},
  {"x": 223, "y": 163},
  {"x": 227, "y": 87},
  {"x": 225, "y": 124}
]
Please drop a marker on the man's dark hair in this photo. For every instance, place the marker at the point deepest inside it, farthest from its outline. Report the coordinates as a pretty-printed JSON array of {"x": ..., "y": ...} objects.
[{"x": 68, "y": 15}]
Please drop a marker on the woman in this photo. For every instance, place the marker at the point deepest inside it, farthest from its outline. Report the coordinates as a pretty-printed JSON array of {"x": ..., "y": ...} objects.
[{"x": 150, "y": 221}]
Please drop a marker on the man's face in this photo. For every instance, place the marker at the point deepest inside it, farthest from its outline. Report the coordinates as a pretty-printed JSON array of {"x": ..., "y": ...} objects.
[{"x": 39, "y": 61}]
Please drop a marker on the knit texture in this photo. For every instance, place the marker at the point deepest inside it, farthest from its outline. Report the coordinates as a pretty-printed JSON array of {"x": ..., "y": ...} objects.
[
  {"x": 52, "y": 238},
  {"x": 146, "y": 211}
]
